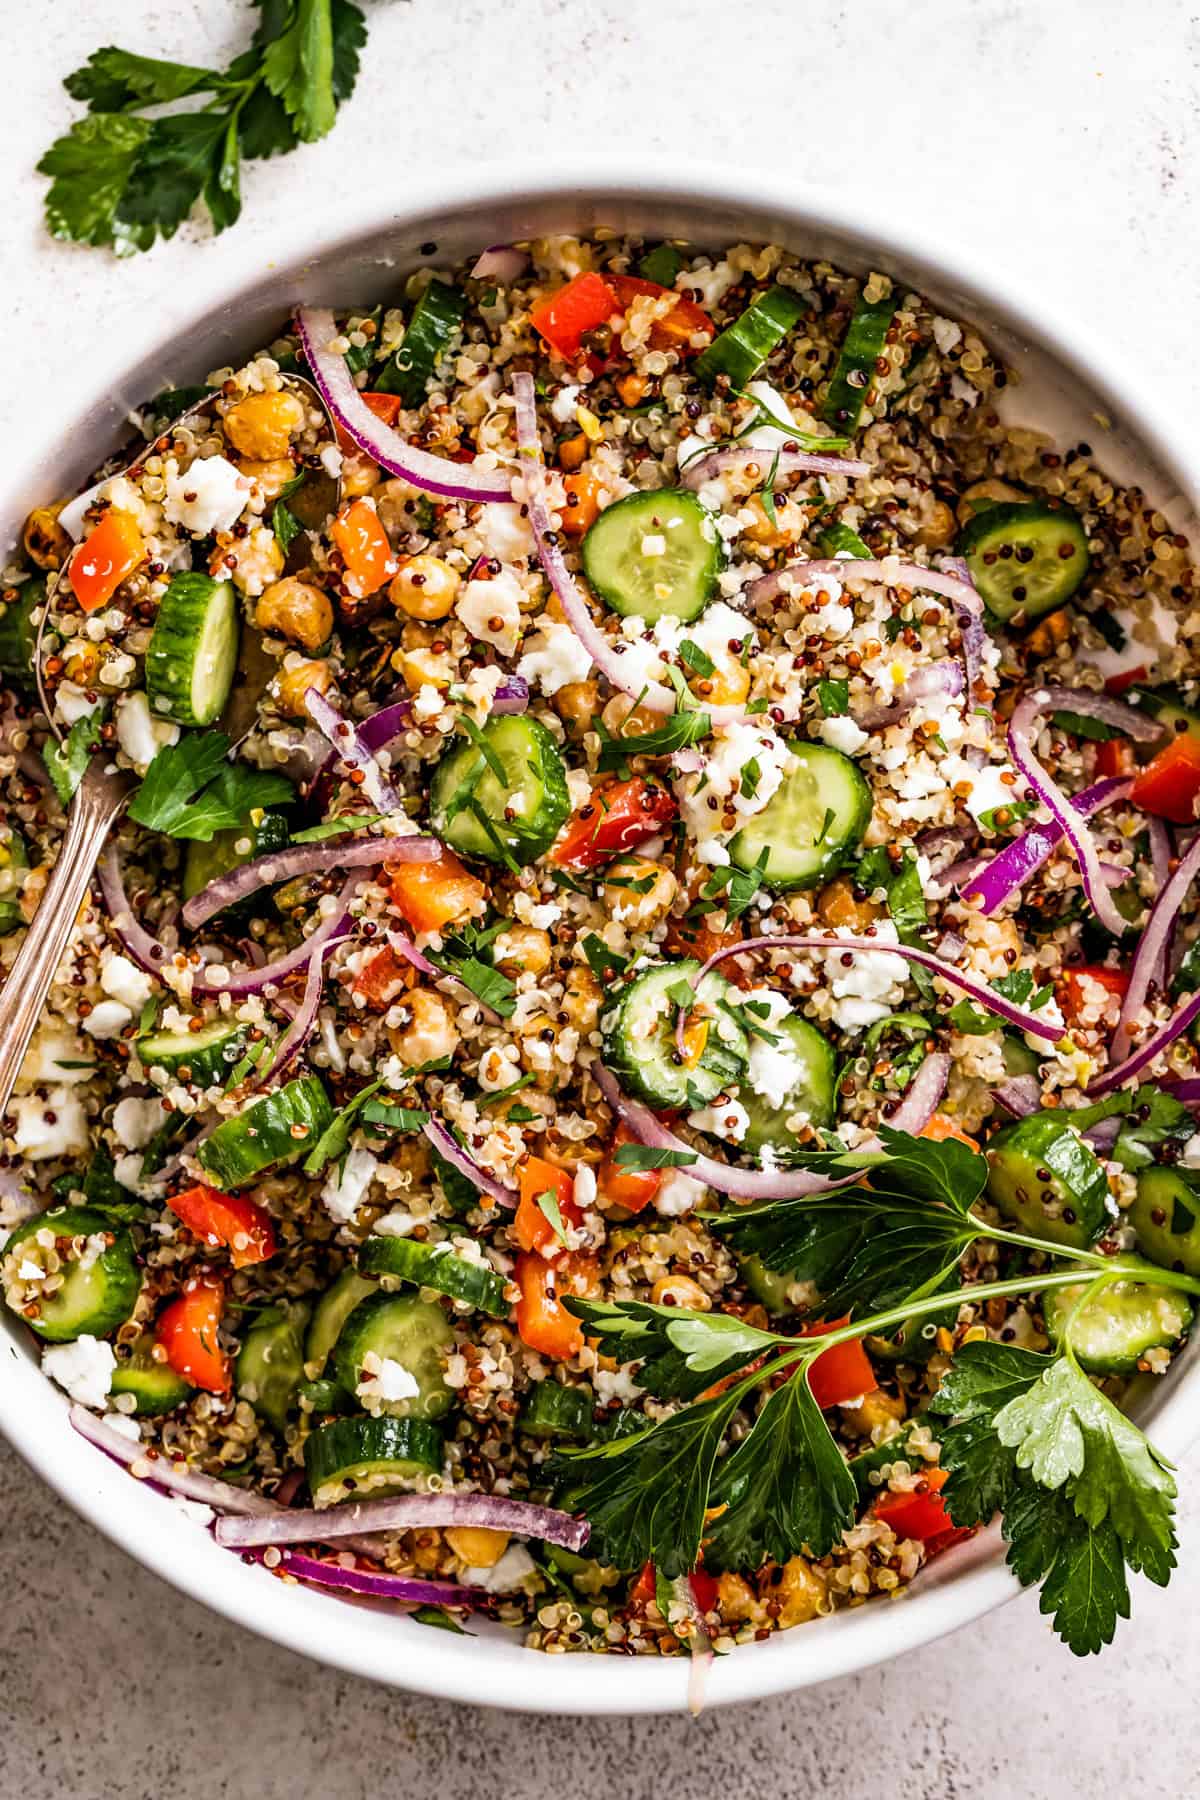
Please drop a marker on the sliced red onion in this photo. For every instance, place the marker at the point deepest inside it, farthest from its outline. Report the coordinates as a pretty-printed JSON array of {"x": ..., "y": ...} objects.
[
  {"x": 1020, "y": 1095},
  {"x": 1148, "y": 963},
  {"x": 352, "y": 751},
  {"x": 451, "y": 1151},
  {"x": 603, "y": 652},
  {"x": 1154, "y": 1045},
  {"x": 1023, "y": 729},
  {"x": 942, "y": 679},
  {"x": 316, "y": 329},
  {"x": 512, "y": 696},
  {"x": 406, "y": 1512},
  {"x": 164, "y": 1473},
  {"x": 794, "y": 577},
  {"x": 968, "y": 613},
  {"x": 922, "y": 1096},
  {"x": 501, "y": 262},
  {"x": 989, "y": 884},
  {"x": 373, "y": 1581},
  {"x": 303, "y": 859},
  {"x": 783, "y": 462}
]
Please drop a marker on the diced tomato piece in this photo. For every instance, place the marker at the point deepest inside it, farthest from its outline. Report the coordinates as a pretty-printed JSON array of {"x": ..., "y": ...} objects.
[
  {"x": 920, "y": 1514},
  {"x": 543, "y": 1322},
  {"x": 1116, "y": 684},
  {"x": 111, "y": 551},
  {"x": 563, "y": 317},
  {"x": 382, "y": 979},
  {"x": 618, "y": 817},
  {"x": 431, "y": 894},
  {"x": 533, "y": 1229},
  {"x": 842, "y": 1373},
  {"x": 1170, "y": 783},
  {"x": 368, "y": 556},
  {"x": 633, "y": 1189},
  {"x": 229, "y": 1219},
  {"x": 187, "y": 1331},
  {"x": 1073, "y": 992},
  {"x": 675, "y": 330},
  {"x": 1115, "y": 757},
  {"x": 941, "y": 1126},
  {"x": 384, "y": 406}
]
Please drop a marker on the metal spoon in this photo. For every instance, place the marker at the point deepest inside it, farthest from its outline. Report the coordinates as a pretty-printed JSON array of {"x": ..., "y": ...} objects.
[{"x": 105, "y": 790}]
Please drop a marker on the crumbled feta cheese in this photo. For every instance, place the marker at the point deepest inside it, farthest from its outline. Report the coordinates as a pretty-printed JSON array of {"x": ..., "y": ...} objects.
[
  {"x": 140, "y": 735},
  {"x": 107, "y": 1019},
  {"x": 208, "y": 496},
  {"x": 136, "y": 1121},
  {"x": 125, "y": 981},
  {"x": 346, "y": 1189},
  {"x": 55, "y": 1126},
  {"x": 491, "y": 610},
  {"x": 841, "y": 733},
  {"x": 84, "y": 1368},
  {"x": 555, "y": 657}
]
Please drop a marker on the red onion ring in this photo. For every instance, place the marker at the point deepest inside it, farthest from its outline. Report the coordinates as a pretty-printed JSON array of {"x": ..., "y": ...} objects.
[
  {"x": 406, "y": 1512},
  {"x": 1149, "y": 962},
  {"x": 315, "y": 327},
  {"x": 165, "y": 1473},
  {"x": 1022, "y": 730},
  {"x": 992, "y": 882},
  {"x": 303, "y": 859},
  {"x": 413, "y": 1592},
  {"x": 451, "y": 1151},
  {"x": 784, "y": 462}
]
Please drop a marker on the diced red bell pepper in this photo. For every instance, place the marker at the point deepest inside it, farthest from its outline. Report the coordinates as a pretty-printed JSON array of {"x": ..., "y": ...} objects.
[
  {"x": 231, "y": 1220},
  {"x": 543, "y": 1322},
  {"x": 1170, "y": 783},
  {"x": 382, "y": 979},
  {"x": 841, "y": 1373},
  {"x": 429, "y": 895},
  {"x": 920, "y": 1513},
  {"x": 531, "y": 1227},
  {"x": 677, "y": 328},
  {"x": 368, "y": 556},
  {"x": 563, "y": 317},
  {"x": 1074, "y": 996},
  {"x": 111, "y": 551},
  {"x": 1115, "y": 757},
  {"x": 616, "y": 1185},
  {"x": 187, "y": 1331},
  {"x": 617, "y": 818}
]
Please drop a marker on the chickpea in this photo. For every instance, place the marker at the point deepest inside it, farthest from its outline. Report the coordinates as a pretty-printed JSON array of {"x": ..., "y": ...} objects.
[
  {"x": 430, "y": 1032},
  {"x": 293, "y": 683},
  {"x": 359, "y": 474},
  {"x": 939, "y": 528},
  {"x": 46, "y": 543},
  {"x": 263, "y": 425},
  {"x": 728, "y": 685},
  {"x": 680, "y": 1290},
  {"x": 576, "y": 705},
  {"x": 296, "y": 610},
  {"x": 836, "y": 905},
  {"x": 583, "y": 999},
  {"x": 622, "y": 718},
  {"x": 475, "y": 1546},
  {"x": 877, "y": 1408},
  {"x": 522, "y": 948},
  {"x": 628, "y": 897},
  {"x": 801, "y": 1591},
  {"x": 270, "y": 477},
  {"x": 425, "y": 588},
  {"x": 998, "y": 491}
]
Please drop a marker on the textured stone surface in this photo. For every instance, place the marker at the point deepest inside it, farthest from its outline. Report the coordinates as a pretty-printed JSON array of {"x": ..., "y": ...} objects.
[{"x": 1058, "y": 141}]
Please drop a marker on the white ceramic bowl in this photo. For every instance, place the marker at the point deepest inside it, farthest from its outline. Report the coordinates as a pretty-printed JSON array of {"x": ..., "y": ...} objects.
[{"x": 1078, "y": 392}]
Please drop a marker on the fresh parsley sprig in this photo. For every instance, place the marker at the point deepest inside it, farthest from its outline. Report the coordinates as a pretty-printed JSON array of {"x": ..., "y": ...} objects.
[{"x": 123, "y": 180}]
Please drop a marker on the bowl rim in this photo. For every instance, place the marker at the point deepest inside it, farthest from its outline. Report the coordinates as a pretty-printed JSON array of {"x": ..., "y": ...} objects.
[{"x": 975, "y": 1579}]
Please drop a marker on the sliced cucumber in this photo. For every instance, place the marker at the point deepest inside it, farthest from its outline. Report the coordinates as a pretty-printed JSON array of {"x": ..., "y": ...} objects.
[
  {"x": 357, "y": 1458},
  {"x": 270, "y": 1363},
  {"x": 553, "y": 1410},
  {"x": 838, "y": 540},
  {"x": 743, "y": 347},
  {"x": 639, "y": 1037},
  {"x": 202, "y": 1057},
  {"x": 228, "y": 850},
  {"x": 1045, "y": 1179},
  {"x": 193, "y": 649},
  {"x": 151, "y": 1380},
  {"x": 330, "y": 1314},
  {"x": 865, "y": 337},
  {"x": 1026, "y": 558},
  {"x": 405, "y": 1329},
  {"x": 811, "y": 825},
  {"x": 503, "y": 797},
  {"x": 101, "y": 1280},
  {"x": 1110, "y": 1333},
  {"x": 1166, "y": 1217},
  {"x": 655, "y": 555},
  {"x": 436, "y": 318},
  {"x": 436, "y": 1266},
  {"x": 270, "y": 1132},
  {"x": 18, "y": 633},
  {"x": 814, "y": 1091}
]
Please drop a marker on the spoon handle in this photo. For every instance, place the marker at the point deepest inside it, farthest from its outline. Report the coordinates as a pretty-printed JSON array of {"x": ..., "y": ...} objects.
[{"x": 97, "y": 802}]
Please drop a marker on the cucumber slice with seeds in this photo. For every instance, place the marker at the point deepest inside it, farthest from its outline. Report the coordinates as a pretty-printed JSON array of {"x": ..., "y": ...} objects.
[
  {"x": 811, "y": 825},
  {"x": 270, "y": 1132},
  {"x": 436, "y": 1266},
  {"x": 201, "y": 1057},
  {"x": 639, "y": 1037},
  {"x": 404, "y": 1329},
  {"x": 655, "y": 555},
  {"x": 743, "y": 347},
  {"x": 193, "y": 649},
  {"x": 101, "y": 1278},
  {"x": 503, "y": 798},
  {"x": 1110, "y": 1333},
  {"x": 354, "y": 1458},
  {"x": 854, "y": 371},
  {"x": 1026, "y": 558}
]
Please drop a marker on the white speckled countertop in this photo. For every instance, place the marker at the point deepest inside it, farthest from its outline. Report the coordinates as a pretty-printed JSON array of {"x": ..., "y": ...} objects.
[{"x": 1060, "y": 137}]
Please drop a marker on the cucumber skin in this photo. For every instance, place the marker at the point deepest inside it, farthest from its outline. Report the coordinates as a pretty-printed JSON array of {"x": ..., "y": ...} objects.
[
  {"x": 525, "y": 843},
  {"x": 1112, "y": 1304},
  {"x": 234, "y": 1159},
  {"x": 612, "y": 520},
  {"x": 369, "y": 1327},
  {"x": 171, "y": 653},
  {"x": 746, "y": 848},
  {"x": 1015, "y": 1153},
  {"x": 978, "y": 531},
  {"x": 337, "y": 1450},
  {"x": 446, "y": 1274},
  {"x": 115, "y": 1268}
]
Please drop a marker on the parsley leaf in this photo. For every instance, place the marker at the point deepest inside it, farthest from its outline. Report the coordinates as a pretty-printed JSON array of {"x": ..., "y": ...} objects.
[{"x": 190, "y": 791}]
